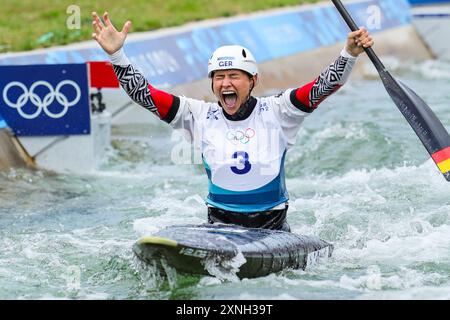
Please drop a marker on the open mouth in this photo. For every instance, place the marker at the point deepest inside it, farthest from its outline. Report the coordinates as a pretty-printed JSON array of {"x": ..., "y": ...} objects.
[{"x": 230, "y": 98}]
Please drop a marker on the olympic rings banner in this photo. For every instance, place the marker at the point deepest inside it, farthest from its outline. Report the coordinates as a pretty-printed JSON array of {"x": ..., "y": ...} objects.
[
  {"x": 181, "y": 55},
  {"x": 44, "y": 100}
]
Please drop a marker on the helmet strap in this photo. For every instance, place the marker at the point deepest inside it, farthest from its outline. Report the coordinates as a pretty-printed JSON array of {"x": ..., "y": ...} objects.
[{"x": 252, "y": 87}]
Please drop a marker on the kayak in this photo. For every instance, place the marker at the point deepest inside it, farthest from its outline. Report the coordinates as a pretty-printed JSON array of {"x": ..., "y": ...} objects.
[{"x": 209, "y": 249}]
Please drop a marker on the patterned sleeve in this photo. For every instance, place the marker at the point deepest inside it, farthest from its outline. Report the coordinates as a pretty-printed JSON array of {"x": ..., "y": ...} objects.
[
  {"x": 136, "y": 86},
  {"x": 309, "y": 96},
  {"x": 160, "y": 103}
]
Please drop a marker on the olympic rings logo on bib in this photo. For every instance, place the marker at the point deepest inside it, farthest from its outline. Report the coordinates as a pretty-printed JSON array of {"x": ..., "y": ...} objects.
[
  {"x": 240, "y": 136},
  {"x": 42, "y": 104}
]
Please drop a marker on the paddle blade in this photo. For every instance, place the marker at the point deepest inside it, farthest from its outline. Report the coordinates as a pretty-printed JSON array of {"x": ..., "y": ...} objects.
[{"x": 422, "y": 119}]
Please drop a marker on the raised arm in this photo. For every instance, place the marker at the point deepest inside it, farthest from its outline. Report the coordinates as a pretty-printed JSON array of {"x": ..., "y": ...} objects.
[
  {"x": 309, "y": 96},
  {"x": 106, "y": 34},
  {"x": 160, "y": 103}
]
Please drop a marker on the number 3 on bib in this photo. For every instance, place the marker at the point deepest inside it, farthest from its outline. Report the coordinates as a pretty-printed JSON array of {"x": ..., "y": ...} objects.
[{"x": 243, "y": 160}]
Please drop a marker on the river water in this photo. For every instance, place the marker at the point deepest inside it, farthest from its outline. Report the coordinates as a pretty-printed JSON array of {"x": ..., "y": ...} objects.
[{"x": 358, "y": 177}]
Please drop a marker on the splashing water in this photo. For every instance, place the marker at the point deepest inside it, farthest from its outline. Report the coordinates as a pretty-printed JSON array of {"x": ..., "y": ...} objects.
[
  {"x": 225, "y": 269},
  {"x": 358, "y": 177}
]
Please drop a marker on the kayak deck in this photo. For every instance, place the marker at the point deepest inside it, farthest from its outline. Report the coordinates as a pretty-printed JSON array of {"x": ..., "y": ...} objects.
[{"x": 255, "y": 252}]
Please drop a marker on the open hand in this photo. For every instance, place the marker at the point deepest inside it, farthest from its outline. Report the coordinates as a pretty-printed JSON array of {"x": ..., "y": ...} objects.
[
  {"x": 106, "y": 34},
  {"x": 357, "y": 41}
]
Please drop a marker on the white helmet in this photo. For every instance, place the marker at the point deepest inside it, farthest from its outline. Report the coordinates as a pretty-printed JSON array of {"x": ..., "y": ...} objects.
[{"x": 232, "y": 57}]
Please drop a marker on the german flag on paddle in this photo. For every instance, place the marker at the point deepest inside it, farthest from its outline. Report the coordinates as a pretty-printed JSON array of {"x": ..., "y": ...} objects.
[
  {"x": 442, "y": 159},
  {"x": 428, "y": 128}
]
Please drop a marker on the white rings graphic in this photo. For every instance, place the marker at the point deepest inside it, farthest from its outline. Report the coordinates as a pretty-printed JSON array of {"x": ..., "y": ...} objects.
[{"x": 41, "y": 104}]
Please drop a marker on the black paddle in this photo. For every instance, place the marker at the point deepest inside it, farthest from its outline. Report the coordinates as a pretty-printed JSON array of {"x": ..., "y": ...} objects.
[{"x": 418, "y": 114}]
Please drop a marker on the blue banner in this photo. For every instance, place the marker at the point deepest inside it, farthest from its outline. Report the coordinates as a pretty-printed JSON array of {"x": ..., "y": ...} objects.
[
  {"x": 180, "y": 57},
  {"x": 43, "y": 100},
  {"x": 422, "y": 2}
]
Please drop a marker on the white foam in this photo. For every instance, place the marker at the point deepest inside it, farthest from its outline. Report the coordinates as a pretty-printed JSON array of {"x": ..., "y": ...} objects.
[
  {"x": 190, "y": 210},
  {"x": 417, "y": 293},
  {"x": 432, "y": 69},
  {"x": 225, "y": 269},
  {"x": 375, "y": 284},
  {"x": 262, "y": 296}
]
